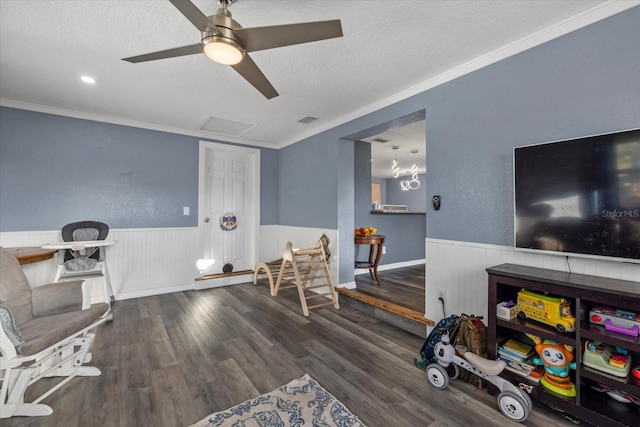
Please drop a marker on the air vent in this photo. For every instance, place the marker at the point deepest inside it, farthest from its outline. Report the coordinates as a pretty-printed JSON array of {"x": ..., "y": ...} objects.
[
  {"x": 307, "y": 120},
  {"x": 380, "y": 140},
  {"x": 226, "y": 127}
]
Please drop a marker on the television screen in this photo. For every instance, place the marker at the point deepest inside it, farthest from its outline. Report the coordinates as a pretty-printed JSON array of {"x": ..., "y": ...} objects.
[{"x": 580, "y": 196}]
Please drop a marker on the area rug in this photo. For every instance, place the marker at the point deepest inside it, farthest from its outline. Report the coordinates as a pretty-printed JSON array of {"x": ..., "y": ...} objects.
[{"x": 302, "y": 402}]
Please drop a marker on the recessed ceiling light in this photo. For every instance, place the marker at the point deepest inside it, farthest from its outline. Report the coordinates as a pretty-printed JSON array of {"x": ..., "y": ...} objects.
[{"x": 88, "y": 80}]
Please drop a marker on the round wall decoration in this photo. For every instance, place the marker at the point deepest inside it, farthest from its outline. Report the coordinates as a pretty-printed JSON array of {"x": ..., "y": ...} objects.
[{"x": 228, "y": 221}]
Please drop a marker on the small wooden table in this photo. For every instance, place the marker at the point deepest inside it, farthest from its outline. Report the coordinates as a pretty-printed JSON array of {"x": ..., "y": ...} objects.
[
  {"x": 31, "y": 254},
  {"x": 375, "y": 242}
]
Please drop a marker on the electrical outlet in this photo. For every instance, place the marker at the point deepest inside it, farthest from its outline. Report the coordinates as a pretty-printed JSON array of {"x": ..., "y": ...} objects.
[
  {"x": 441, "y": 294},
  {"x": 384, "y": 250}
]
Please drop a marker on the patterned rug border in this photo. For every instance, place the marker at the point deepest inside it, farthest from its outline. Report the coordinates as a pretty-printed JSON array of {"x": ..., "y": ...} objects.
[{"x": 284, "y": 407}]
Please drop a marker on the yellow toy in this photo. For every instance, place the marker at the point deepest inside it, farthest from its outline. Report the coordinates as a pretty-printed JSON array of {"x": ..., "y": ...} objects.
[
  {"x": 558, "y": 362},
  {"x": 555, "y": 312}
]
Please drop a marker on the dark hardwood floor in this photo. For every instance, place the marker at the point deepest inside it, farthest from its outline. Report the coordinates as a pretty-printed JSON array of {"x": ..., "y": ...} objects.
[
  {"x": 170, "y": 360},
  {"x": 402, "y": 286}
]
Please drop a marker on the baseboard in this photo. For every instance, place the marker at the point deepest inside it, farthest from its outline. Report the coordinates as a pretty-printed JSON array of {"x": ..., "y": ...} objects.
[
  {"x": 222, "y": 275},
  {"x": 152, "y": 292},
  {"x": 392, "y": 266},
  {"x": 347, "y": 285},
  {"x": 223, "y": 281}
]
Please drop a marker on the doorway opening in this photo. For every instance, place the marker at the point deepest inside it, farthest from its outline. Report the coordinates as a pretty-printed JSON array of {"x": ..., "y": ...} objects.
[{"x": 401, "y": 267}]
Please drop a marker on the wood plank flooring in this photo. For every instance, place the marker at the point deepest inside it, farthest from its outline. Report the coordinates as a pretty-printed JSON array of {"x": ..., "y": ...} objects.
[
  {"x": 402, "y": 286},
  {"x": 170, "y": 360}
]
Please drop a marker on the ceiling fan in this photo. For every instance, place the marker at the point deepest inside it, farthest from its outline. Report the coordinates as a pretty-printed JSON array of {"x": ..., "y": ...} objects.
[{"x": 224, "y": 41}]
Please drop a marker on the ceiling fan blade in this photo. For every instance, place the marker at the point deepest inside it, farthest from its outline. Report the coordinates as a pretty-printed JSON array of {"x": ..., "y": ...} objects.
[
  {"x": 250, "y": 71},
  {"x": 194, "y": 15},
  {"x": 169, "y": 53},
  {"x": 261, "y": 38}
]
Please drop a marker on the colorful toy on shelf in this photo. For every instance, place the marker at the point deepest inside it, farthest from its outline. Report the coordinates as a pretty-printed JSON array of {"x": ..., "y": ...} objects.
[
  {"x": 622, "y": 321},
  {"x": 558, "y": 362},
  {"x": 549, "y": 310},
  {"x": 614, "y": 361},
  {"x": 636, "y": 372}
]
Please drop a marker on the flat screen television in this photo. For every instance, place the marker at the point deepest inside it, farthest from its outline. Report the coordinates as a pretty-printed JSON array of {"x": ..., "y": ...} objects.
[{"x": 580, "y": 196}]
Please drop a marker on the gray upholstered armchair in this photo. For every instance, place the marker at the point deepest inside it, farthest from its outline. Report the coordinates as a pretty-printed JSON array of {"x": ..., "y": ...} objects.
[{"x": 46, "y": 332}]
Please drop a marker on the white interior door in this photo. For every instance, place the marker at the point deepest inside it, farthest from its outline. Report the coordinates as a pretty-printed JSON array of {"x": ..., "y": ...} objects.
[{"x": 229, "y": 178}]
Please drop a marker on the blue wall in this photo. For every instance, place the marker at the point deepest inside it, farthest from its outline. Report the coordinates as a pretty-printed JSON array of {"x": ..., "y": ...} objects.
[
  {"x": 416, "y": 200},
  {"x": 346, "y": 209},
  {"x": 269, "y": 188},
  {"x": 55, "y": 170},
  {"x": 309, "y": 183}
]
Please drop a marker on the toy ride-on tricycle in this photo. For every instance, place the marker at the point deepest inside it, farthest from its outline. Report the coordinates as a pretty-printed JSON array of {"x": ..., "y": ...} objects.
[{"x": 513, "y": 402}]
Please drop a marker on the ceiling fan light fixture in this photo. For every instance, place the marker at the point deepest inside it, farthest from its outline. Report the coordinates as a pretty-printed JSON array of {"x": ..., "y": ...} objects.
[{"x": 223, "y": 50}]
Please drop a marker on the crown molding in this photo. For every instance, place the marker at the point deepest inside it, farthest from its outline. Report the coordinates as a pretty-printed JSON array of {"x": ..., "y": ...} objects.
[{"x": 58, "y": 111}]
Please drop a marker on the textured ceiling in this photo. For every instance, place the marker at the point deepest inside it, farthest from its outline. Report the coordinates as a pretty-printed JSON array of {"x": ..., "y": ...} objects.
[{"x": 388, "y": 48}]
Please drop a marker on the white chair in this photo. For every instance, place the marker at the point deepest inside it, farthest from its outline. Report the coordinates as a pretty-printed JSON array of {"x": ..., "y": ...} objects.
[{"x": 45, "y": 332}]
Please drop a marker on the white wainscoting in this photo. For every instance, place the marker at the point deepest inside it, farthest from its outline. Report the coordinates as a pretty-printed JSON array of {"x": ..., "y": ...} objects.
[
  {"x": 458, "y": 268},
  {"x": 161, "y": 260},
  {"x": 143, "y": 262},
  {"x": 270, "y": 248}
]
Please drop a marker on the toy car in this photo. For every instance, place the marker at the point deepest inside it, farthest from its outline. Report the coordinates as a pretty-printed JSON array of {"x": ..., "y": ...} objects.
[{"x": 555, "y": 312}]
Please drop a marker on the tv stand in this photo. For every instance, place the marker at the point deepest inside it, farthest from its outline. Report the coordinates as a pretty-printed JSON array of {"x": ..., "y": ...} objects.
[{"x": 584, "y": 293}]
